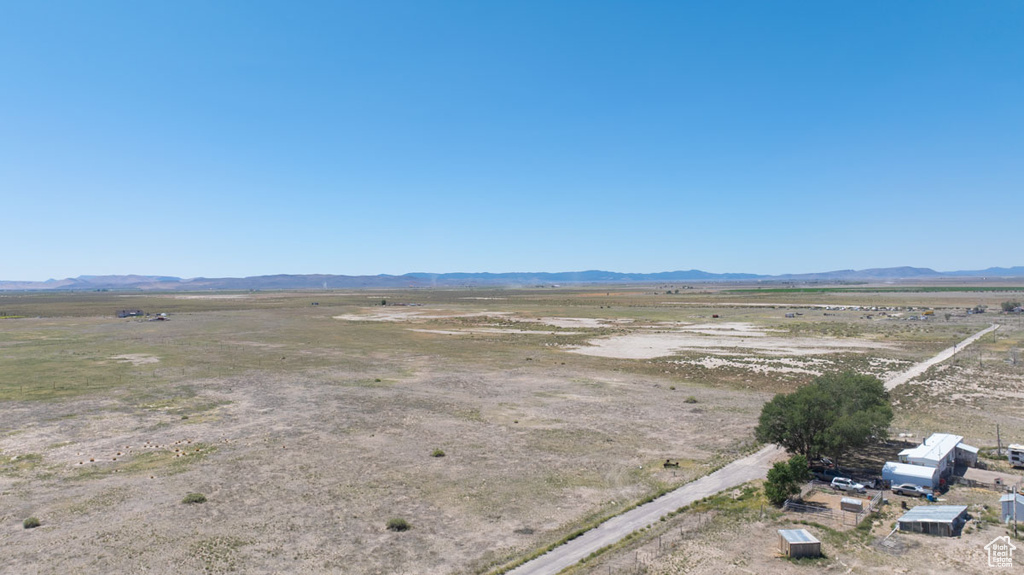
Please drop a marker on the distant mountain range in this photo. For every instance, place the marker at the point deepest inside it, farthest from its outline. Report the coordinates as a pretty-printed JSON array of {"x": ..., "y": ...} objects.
[{"x": 319, "y": 281}]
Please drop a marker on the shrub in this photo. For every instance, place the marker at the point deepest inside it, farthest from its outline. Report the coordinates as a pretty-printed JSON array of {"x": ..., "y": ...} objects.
[
  {"x": 690, "y": 399},
  {"x": 31, "y": 523},
  {"x": 398, "y": 524},
  {"x": 784, "y": 479},
  {"x": 194, "y": 498},
  {"x": 868, "y": 522},
  {"x": 437, "y": 453}
]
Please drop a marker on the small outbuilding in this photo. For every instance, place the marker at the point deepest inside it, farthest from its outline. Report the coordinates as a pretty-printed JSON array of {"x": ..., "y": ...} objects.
[
  {"x": 944, "y": 520},
  {"x": 967, "y": 455},
  {"x": 798, "y": 543},
  {"x": 1008, "y": 502},
  {"x": 852, "y": 504}
]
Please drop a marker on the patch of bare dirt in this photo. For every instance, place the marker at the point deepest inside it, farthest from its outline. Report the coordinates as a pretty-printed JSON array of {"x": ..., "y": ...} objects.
[
  {"x": 136, "y": 358},
  {"x": 652, "y": 345}
]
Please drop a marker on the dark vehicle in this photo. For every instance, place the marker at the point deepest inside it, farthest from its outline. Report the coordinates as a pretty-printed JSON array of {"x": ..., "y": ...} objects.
[{"x": 825, "y": 473}]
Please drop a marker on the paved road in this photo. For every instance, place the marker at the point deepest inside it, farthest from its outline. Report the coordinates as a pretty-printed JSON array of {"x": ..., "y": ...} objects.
[
  {"x": 943, "y": 355},
  {"x": 736, "y": 473}
]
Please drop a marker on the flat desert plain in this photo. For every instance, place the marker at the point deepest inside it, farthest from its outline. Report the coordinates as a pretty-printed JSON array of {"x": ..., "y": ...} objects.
[{"x": 493, "y": 422}]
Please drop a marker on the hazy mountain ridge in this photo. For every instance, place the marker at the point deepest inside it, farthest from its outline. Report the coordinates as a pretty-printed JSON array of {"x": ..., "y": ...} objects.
[{"x": 420, "y": 279}]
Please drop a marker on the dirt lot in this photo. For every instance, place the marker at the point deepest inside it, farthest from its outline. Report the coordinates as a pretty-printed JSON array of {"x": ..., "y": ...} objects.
[{"x": 308, "y": 427}]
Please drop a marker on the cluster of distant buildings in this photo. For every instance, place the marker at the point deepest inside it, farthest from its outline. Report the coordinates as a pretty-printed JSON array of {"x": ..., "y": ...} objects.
[{"x": 126, "y": 313}]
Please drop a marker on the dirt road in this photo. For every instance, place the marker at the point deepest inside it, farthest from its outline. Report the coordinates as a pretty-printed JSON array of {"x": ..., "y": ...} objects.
[
  {"x": 736, "y": 473},
  {"x": 943, "y": 355},
  {"x": 740, "y": 471}
]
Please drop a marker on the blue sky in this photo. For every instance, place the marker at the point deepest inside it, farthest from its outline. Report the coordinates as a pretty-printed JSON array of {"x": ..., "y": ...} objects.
[{"x": 197, "y": 138}]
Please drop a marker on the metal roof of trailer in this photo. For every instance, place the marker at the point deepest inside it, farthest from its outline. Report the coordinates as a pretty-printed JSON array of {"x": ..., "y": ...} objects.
[
  {"x": 933, "y": 449},
  {"x": 908, "y": 470},
  {"x": 934, "y": 513},
  {"x": 798, "y": 536}
]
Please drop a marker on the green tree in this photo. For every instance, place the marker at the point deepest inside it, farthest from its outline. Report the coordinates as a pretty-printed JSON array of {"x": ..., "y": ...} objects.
[
  {"x": 799, "y": 468},
  {"x": 780, "y": 485},
  {"x": 784, "y": 479},
  {"x": 834, "y": 414},
  {"x": 1010, "y": 305}
]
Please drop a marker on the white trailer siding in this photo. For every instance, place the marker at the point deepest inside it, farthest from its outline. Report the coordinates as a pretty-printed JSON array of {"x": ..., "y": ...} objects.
[
  {"x": 897, "y": 473},
  {"x": 1015, "y": 453}
]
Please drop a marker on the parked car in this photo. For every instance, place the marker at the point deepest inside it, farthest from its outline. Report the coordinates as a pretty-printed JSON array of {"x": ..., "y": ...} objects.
[
  {"x": 847, "y": 484},
  {"x": 910, "y": 490},
  {"x": 825, "y": 473}
]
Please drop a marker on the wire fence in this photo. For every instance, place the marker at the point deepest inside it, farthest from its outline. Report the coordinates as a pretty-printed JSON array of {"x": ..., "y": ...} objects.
[
  {"x": 876, "y": 502},
  {"x": 816, "y": 510}
]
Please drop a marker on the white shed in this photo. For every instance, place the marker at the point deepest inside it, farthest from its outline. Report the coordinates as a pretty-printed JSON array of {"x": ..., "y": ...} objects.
[
  {"x": 1007, "y": 502},
  {"x": 897, "y": 473},
  {"x": 852, "y": 504}
]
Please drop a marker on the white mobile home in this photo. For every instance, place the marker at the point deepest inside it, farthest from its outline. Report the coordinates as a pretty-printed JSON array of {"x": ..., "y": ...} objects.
[
  {"x": 897, "y": 473},
  {"x": 941, "y": 451}
]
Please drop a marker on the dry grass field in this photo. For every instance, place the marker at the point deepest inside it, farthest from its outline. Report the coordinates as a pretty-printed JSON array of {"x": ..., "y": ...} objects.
[{"x": 308, "y": 427}]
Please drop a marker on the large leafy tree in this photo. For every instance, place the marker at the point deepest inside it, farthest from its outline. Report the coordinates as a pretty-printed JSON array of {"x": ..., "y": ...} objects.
[{"x": 835, "y": 413}]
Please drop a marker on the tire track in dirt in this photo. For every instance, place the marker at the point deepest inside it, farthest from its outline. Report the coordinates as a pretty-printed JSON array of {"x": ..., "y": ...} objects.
[{"x": 919, "y": 368}]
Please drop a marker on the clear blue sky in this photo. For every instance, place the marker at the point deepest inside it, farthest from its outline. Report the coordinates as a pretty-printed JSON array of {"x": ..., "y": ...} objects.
[{"x": 198, "y": 138}]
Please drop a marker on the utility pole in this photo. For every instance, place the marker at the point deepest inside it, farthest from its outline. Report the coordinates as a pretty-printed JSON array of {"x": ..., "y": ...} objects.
[{"x": 999, "y": 442}]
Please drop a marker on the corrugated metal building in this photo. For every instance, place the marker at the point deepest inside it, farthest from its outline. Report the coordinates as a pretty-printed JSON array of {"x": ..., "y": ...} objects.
[
  {"x": 1007, "y": 503},
  {"x": 798, "y": 543},
  {"x": 945, "y": 520}
]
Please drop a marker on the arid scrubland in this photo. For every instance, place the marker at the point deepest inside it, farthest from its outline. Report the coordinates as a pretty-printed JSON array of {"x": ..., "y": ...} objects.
[{"x": 309, "y": 420}]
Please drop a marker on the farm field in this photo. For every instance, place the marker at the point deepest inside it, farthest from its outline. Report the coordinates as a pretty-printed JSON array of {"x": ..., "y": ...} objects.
[{"x": 493, "y": 421}]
